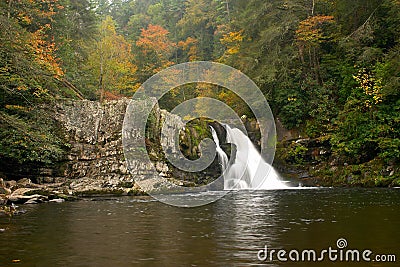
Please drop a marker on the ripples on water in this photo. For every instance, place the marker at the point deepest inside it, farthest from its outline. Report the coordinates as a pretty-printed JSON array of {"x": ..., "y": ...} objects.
[{"x": 229, "y": 232}]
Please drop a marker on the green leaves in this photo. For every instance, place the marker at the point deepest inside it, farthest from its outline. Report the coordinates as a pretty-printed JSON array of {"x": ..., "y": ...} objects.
[{"x": 23, "y": 141}]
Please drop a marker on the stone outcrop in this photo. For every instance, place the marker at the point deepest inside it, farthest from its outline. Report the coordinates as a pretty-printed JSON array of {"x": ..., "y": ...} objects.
[
  {"x": 94, "y": 162},
  {"x": 162, "y": 144}
]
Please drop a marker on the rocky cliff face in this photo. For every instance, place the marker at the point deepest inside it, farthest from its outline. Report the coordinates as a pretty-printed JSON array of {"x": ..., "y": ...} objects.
[
  {"x": 96, "y": 162},
  {"x": 93, "y": 131}
]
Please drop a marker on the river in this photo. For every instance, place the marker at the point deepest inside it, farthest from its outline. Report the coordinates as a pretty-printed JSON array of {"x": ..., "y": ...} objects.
[{"x": 132, "y": 231}]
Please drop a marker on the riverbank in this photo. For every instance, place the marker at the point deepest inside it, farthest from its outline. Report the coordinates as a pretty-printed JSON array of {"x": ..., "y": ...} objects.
[
  {"x": 24, "y": 191},
  {"x": 312, "y": 163}
]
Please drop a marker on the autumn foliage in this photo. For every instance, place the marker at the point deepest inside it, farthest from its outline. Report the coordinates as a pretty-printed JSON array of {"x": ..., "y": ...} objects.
[
  {"x": 156, "y": 45},
  {"x": 190, "y": 46},
  {"x": 310, "y": 30},
  {"x": 323, "y": 65}
]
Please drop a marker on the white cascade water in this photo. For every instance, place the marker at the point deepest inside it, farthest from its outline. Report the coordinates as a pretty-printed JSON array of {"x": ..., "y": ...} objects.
[
  {"x": 249, "y": 170},
  {"x": 223, "y": 158}
]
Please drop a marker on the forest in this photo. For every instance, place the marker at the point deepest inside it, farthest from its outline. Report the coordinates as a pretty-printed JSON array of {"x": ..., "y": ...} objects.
[{"x": 329, "y": 68}]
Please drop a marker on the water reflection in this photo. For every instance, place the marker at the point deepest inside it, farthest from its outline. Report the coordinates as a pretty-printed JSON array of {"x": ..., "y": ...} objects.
[{"x": 251, "y": 221}]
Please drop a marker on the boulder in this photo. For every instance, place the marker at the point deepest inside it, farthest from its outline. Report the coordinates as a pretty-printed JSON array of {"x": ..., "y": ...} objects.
[
  {"x": 57, "y": 200},
  {"x": 10, "y": 184},
  {"x": 21, "y": 191},
  {"x": 23, "y": 199},
  {"x": 5, "y": 191},
  {"x": 32, "y": 201},
  {"x": 3, "y": 200},
  {"x": 24, "y": 182}
]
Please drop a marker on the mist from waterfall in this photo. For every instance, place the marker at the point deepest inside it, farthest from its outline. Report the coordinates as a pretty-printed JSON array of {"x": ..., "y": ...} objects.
[{"x": 248, "y": 169}]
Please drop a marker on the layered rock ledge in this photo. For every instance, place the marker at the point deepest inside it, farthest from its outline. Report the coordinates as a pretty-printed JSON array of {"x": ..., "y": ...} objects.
[{"x": 94, "y": 162}]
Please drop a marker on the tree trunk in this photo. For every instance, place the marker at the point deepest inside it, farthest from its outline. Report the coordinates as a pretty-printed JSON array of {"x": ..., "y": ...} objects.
[
  {"x": 310, "y": 58},
  {"x": 301, "y": 54},
  {"x": 9, "y": 9},
  {"x": 101, "y": 86},
  {"x": 316, "y": 67},
  {"x": 228, "y": 11},
  {"x": 313, "y": 8}
]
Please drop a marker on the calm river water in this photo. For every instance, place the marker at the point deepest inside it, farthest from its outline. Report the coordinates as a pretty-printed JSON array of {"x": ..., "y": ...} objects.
[{"x": 229, "y": 232}]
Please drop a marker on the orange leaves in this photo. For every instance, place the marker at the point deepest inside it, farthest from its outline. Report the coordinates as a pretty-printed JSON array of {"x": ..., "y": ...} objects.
[
  {"x": 190, "y": 45},
  {"x": 37, "y": 18},
  {"x": 44, "y": 51},
  {"x": 156, "y": 46},
  {"x": 112, "y": 95},
  {"x": 154, "y": 32},
  {"x": 187, "y": 43},
  {"x": 310, "y": 31},
  {"x": 30, "y": 11},
  {"x": 309, "y": 35},
  {"x": 155, "y": 38},
  {"x": 24, "y": 18},
  {"x": 48, "y": 8}
]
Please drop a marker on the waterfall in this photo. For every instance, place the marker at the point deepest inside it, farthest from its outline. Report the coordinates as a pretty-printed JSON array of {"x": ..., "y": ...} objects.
[
  {"x": 248, "y": 170},
  {"x": 223, "y": 158}
]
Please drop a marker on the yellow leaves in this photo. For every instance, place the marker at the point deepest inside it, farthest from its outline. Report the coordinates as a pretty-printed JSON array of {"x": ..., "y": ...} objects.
[
  {"x": 233, "y": 41},
  {"x": 232, "y": 50},
  {"x": 136, "y": 87},
  {"x": 107, "y": 27},
  {"x": 232, "y": 37},
  {"x": 22, "y": 88},
  {"x": 310, "y": 31},
  {"x": 39, "y": 91},
  {"x": 233, "y": 101},
  {"x": 17, "y": 108},
  {"x": 371, "y": 87},
  {"x": 111, "y": 60}
]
